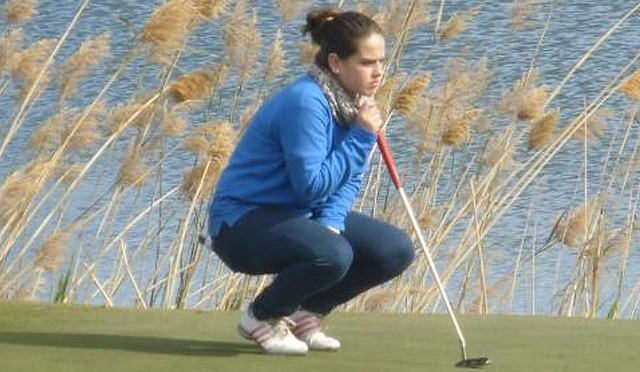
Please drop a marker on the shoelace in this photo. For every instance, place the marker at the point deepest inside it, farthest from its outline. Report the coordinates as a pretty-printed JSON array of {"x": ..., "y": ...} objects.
[{"x": 283, "y": 326}]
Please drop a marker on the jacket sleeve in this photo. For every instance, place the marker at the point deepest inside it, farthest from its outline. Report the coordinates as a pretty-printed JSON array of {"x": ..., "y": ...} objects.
[
  {"x": 334, "y": 210},
  {"x": 315, "y": 170}
]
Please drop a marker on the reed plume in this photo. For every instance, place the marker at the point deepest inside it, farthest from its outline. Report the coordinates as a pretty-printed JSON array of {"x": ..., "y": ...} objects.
[
  {"x": 173, "y": 124},
  {"x": 594, "y": 126},
  {"x": 307, "y": 52},
  {"x": 242, "y": 46},
  {"x": 392, "y": 21},
  {"x": 289, "y": 9},
  {"x": 457, "y": 24},
  {"x": 384, "y": 93},
  {"x": 47, "y": 136},
  {"x": 409, "y": 96},
  {"x": 27, "y": 64},
  {"x": 498, "y": 152},
  {"x": 523, "y": 13},
  {"x": 573, "y": 228},
  {"x": 132, "y": 168},
  {"x": 525, "y": 99},
  {"x": 87, "y": 133},
  {"x": 20, "y": 187},
  {"x": 19, "y": 11},
  {"x": 631, "y": 86},
  {"x": 249, "y": 112},
  {"x": 193, "y": 86},
  {"x": 9, "y": 45},
  {"x": 167, "y": 30},
  {"x": 213, "y": 144},
  {"x": 532, "y": 103},
  {"x": 122, "y": 113},
  {"x": 276, "y": 61},
  {"x": 50, "y": 255},
  {"x": 429, "y": 219},
  {"x": 457, "y": 133},
  {"x": 209, "y": 10},
  {"x": 75, "y": 68},
  {"x": 542, "y": 129}
]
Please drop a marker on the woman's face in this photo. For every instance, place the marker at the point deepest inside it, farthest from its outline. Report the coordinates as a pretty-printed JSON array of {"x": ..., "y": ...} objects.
[{"x": 362, "y": 71}]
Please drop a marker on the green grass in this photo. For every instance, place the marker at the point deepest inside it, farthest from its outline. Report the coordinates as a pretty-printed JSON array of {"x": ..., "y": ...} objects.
[{"x": 37, "y": 337}]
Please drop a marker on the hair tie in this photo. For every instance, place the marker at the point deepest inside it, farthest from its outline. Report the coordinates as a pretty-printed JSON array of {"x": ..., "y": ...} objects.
[{"x": 330, "y": 18}]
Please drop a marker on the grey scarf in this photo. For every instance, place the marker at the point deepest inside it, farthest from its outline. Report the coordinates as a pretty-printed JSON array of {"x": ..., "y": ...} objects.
[{"x": 343, "y": 107}]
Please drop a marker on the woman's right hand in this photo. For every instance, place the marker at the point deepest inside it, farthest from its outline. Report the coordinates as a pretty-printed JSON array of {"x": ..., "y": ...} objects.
[{"x": 369, "y": 116}]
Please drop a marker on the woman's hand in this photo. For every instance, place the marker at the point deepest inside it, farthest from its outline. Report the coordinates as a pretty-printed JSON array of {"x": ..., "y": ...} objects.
[{"x": 369, "y": 116}]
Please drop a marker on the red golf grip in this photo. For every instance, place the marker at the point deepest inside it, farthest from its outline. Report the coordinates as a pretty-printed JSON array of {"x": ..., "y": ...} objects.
[{"x": 388, "y": 159}]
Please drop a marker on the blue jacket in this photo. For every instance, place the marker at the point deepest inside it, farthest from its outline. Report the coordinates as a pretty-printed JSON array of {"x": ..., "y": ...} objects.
[{"x": 294, "y": 156}]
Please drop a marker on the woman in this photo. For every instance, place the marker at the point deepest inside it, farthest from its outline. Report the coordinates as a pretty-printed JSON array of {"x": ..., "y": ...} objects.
[{"x": 282, "y": 205}]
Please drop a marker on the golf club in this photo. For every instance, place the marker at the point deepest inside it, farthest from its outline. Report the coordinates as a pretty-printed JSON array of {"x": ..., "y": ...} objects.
[{"x": 391, "y": 167}]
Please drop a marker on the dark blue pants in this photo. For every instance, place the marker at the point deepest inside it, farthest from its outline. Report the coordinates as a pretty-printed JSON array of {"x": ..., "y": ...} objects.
[{"x": 317, "y": 269}]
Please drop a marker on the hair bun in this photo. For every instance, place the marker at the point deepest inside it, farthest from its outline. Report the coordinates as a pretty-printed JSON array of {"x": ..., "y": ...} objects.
[{"x": 316, "y": 20}]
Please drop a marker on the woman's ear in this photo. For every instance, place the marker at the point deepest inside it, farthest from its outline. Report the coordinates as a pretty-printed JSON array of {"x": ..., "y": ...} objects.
[{"x": 334, "y": 63}]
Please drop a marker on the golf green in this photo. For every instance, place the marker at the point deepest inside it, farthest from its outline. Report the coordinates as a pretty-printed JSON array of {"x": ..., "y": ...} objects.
[{"x": 41, "y": 337}]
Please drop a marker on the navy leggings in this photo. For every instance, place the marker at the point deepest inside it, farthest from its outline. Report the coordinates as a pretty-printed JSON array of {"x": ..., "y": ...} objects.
[{"x": 317, "y": 269}]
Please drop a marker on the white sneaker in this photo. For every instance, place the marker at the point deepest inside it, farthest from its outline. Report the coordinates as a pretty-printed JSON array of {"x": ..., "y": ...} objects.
[
  {"x": 308, "y": 328},
  {"x": 273, "y": 336}
]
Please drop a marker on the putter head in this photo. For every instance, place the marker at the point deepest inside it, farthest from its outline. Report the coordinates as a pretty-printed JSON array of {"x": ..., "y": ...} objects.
[{"x": 474, "y": 362}]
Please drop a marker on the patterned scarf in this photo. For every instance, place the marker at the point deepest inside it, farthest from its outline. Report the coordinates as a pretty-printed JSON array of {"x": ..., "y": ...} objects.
[{"x": 343, "y": 107}]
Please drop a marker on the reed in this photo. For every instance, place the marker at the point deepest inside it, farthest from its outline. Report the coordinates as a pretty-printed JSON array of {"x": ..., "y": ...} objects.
[
  {"x": 20, "y": 11},
  {"x": 470, "y": 159}
]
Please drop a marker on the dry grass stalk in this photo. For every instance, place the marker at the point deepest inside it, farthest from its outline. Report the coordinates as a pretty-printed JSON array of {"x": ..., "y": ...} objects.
[
  {"x": 631, "y": 87},
  {"x": 209, "y": 10},
  {"x": 50, "y": 255},
  {"x": 214, "y": 144},
  {"x": 18, "y": 11},
  {"x": 47, "y": 136},
  {"x": 27, "y": 64},
  {"x": 133, "y": 168},
  {"x": 167, "y": 30},
  {"x": 523, "y": 12},
  {"x": 9, "y": 45},
  {"x": 542, "y": 129},
  {"x": 594, "y": 126},
  {"x": 409, "y": 96},
  {"x": 75, "y": 68},
  {"x": 307, "y": 52},
  {"x": 290, "y": 9},
  {"x": 276, "y": 61}
]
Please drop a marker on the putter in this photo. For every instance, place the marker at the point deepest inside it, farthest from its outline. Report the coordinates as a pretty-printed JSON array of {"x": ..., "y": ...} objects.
[{"x": 391, "y": 167}]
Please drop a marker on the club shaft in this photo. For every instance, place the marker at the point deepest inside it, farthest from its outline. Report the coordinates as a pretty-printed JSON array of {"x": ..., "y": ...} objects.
[{"x": 382, "y": 145}]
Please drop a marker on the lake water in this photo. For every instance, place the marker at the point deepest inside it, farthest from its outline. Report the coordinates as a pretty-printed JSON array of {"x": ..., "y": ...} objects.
[{"x": 574, "y": 27}]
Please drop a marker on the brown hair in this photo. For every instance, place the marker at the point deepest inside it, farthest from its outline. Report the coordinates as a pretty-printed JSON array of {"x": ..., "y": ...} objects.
[{"x": 338, "y": 32}]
